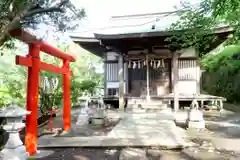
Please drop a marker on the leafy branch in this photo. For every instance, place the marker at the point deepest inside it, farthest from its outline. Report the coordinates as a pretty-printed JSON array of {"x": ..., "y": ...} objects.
[
  {"x": 27, "y": 13},
  {"x": 194, "y": 28}
]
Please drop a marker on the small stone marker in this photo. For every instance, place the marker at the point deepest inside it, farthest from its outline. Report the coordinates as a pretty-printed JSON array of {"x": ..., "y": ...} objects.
[
  {"x": 98, "y": 116},
  {"x": 14, "y": 148},
  {"x": 83, "y": 117},
  {"x": 195, "y": 119}
]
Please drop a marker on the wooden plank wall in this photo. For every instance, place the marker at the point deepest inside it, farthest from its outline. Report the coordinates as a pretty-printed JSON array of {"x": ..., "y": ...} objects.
[
  {"x": 189, "y": 76},
  {"x": 188, "y": 70}
]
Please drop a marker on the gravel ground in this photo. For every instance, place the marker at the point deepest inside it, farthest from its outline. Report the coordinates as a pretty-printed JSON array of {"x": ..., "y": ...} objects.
[
  {"x": 194, "y": 153},
  {"x": 90, "y": 130},
  {"x": 83, "y": 154},
  {"x": 204, "y": 150}
]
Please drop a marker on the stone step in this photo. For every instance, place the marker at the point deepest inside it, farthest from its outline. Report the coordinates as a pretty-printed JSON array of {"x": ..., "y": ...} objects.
[
  {"x": 148, "y": 105},
  {"x": 145, "y": 101},
  {"x": 148, "y": 110}
]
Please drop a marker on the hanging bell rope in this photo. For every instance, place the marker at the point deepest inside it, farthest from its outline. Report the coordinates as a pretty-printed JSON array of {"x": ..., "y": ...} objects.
[
  {"x": 154, "y": 64},
  {"x": 134, "y": 65},
  {"x": 158, "y": 64},
  {"x": 139, "y": 64},
  {"x": 163, "y": 64}
]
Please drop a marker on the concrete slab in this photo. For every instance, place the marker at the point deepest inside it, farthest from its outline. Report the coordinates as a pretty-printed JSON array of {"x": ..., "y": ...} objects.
[
  {"x": 145, "y": 126},
  {"x": 164, "y": 115},
  {"x": 196, "y": 125},
  {"x": 70, "y": 141},
  {"x": 134, "y": 130},
  {"x": 98, "y": 141}
]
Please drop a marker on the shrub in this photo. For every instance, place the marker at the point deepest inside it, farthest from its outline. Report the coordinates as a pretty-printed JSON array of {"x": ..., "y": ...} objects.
[{"x": 222, "y": 73}]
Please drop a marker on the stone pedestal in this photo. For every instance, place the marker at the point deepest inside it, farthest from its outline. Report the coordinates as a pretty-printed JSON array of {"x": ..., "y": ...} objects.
[
  {"x": 83, "y": 117},
  {"x": 196, "y": 125},
  {"x": 98, "y": 121},
  {"x": 14, "y": 148},
  {"x": 98, "y": 118},
  {"x": 196, "y": 120}
]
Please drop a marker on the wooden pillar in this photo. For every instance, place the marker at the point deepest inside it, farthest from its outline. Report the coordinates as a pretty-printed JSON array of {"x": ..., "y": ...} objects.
[
  {"x": 220, "y": 105},
  {"x": 105, "y": 74},
  {"x": 66, "y": 99},
  {"x": 125, "y": 74},
  {"x": 198, "y": 76},
  {"x": 148, "y": 91},
  {"x": 175, "y": 80},
  {"x": 202, "y": 104},
  {"x": 32, "y": 101},
  {"x": 198, "y": 72},
  {"x": 121, "y": 82}
]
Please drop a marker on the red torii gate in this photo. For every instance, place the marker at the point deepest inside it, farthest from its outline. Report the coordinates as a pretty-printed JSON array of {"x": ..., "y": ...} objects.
[{"x": 34, "y": 64}]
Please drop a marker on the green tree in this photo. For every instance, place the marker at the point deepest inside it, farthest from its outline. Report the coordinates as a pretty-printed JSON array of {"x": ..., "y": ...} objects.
[
  {"x": 222, "y": 73},
  {"x": 84, "y": 78},
  {"x": 28, "y": 13},
  {"x": 197, "y": 22}
]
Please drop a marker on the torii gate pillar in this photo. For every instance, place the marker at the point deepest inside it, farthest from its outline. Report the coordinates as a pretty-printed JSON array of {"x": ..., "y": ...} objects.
[
  {"x": 66, "y": 98},
  {"x": 32, "y": 100}
]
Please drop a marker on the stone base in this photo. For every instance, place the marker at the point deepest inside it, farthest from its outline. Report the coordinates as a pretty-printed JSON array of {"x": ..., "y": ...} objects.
[
  {"x": 98, "y": 121},
  {"x": 149, "y": 110},
  {"x": 18, "y": 153},
  {"x": 196, "y": 125},
  {"x": 132, "y": 154}
]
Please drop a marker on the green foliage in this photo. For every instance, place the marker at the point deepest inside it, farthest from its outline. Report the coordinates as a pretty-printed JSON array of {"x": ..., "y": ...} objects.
[
  {"x": 228, "y": 12},
  {"x": 222, "y": 73},
  {"x": 212, "y": 62},
  {"x": 202, "y": 18},
  {"x": 198, "y": 21},
  {"x": 88, "y": 85},
  {"x": 80, "y": 88},
  {"x": 4, "y": 96},
  {"x": 194, "y": 28},
  {"x": 12, "y": 78},
  {"x": 61, "y": 14},
  {"x": 84, "y": 79}
]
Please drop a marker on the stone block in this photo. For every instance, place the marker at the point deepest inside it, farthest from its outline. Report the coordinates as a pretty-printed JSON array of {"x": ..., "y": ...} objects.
[
  {"x": 196, "y": 124},
  {"x": 195, "y": 115},
  {"x": 98, "y": 121},
  {"x": 181, "y": 116},
  {"x": 133, "y": 154}
]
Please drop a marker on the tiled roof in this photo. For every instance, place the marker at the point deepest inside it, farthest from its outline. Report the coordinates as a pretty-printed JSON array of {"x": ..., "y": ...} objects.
[{"x": 133, "y": 24}]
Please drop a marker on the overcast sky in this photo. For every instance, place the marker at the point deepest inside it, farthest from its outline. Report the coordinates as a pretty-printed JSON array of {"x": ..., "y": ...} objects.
[{"x": 99, "y": 11}]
